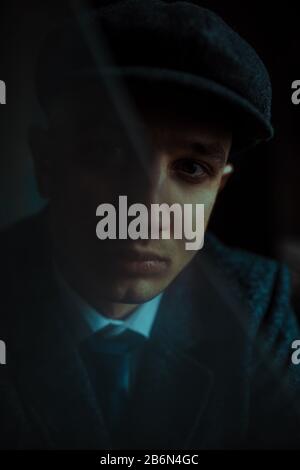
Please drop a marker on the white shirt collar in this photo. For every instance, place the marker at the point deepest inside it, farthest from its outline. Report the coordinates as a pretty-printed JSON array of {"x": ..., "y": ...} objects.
[{"x": 90, "y": 320}]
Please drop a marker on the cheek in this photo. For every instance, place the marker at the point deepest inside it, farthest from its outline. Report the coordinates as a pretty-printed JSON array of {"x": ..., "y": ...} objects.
[{"x": 202, "y": 194}]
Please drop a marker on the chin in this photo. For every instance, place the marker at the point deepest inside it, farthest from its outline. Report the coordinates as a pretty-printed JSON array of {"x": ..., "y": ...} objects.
[{"x": 133, "y": 291}]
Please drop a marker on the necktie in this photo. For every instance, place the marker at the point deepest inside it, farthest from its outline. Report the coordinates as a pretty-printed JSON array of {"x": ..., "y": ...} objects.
[{"x": 111, "y": 360}]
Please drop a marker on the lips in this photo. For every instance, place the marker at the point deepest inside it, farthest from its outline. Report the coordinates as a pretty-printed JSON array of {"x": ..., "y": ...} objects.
[
  {"x": 139, "y": 255},
  {"x": 138, "y": 262}
]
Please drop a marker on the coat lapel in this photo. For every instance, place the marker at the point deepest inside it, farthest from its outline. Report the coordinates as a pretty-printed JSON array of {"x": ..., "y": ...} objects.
[
  {"x": 59, "y": 395},
  {"x": 168, "y": 402}
]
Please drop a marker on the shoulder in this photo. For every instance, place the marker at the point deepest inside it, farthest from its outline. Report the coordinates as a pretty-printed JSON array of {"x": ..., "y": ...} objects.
[
  {"x": 262, "y": 286},
  {"x": 24, "y": 262},
  {"x": 263, "y": 283},
  {"x": 249, "y": 269},
  {"x": 22, "y": 230},
  {"x": 22, "y": 241}
]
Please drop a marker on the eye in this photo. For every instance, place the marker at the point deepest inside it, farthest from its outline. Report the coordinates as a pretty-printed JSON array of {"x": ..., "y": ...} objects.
[{"x": 191, "y": 169}]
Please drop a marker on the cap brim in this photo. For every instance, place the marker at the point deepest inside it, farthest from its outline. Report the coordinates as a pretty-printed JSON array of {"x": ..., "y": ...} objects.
[{"x": 250, "y": 126}]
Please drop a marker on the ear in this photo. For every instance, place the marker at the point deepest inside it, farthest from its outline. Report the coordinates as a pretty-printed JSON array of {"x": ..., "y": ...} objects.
[
  {"x": 227, "y": 172},
  {"x": 40, "y": 148}
]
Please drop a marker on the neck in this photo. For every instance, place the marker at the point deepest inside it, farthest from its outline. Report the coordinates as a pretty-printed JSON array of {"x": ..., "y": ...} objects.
[
  {"x": 115, "y": 310},
  {"x": 108, "y": 308}
]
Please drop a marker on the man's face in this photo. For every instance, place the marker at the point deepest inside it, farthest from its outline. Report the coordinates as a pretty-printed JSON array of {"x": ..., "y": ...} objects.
[{"x": 88, "y": 162}]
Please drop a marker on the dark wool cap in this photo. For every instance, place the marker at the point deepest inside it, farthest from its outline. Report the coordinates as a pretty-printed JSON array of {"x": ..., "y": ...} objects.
[{"x": 176, "y": 44}]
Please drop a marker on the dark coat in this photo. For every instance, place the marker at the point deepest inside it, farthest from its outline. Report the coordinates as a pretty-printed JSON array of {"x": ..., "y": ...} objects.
[{"x": 216, "y": 372}]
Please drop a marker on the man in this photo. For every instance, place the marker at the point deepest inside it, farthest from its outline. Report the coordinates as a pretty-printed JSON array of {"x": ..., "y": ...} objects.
[{"x": 158, "y": 121}]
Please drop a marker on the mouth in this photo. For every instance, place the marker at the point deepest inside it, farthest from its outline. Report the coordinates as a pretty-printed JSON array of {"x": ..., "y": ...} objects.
[{"x": 138, "y": 262}]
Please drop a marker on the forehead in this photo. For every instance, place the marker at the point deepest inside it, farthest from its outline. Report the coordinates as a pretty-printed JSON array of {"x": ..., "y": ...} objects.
[{"x": 176, "y": 125}]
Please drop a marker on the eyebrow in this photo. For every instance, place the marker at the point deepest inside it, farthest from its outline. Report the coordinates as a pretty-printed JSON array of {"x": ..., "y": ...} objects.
[{"x": 214, "y": 150}]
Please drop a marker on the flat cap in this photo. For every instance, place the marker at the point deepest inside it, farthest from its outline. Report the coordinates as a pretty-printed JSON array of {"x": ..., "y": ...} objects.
[{"x": 178, "y": 43}]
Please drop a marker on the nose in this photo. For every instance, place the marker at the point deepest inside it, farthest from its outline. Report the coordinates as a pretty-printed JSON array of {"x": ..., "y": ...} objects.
[{"x": 148, "y": 185}]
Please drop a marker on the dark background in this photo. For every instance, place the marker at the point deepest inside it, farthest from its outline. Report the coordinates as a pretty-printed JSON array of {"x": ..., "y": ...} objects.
[{"x": 258, "y": 211}]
